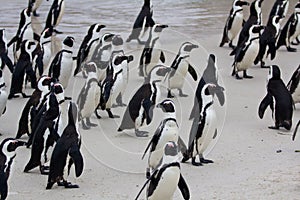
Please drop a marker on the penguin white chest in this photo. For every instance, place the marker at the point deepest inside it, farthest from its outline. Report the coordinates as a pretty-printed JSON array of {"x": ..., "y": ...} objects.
[
  {"x": 178, "y": 78},
  {"x": 236, "y": 25},
  {"x": 115, "y": 90},
  {"x": 296, "y": 95},
  {"x": 66, "y": 70},
  {"x": 91, "y": 101},
  {"x": 249, "y": 56},
  {"x": 46, "y": 56},
  {"x": 3, "y": 101},
  {"x": 28, "y": 33}
]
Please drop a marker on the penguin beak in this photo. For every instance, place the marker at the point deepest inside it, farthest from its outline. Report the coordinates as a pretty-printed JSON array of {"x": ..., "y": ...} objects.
[
  {"x": 194, "y": 46},
  {"x": 245, "y": 3},
  {"x": 164, "y": 26},
  {"x": 21, "y": 143},
  {"x": 100, "y": 27}
]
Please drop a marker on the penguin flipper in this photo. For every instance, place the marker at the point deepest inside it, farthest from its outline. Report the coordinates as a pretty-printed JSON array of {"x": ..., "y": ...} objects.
[
  {"x": 192, "y": 72},
  {"x": 77, "y": 158},
  {"x": 183, "y": 188},
  {"x": 162, "y": 57},
  {"x": 292, "y": 84},
  {"x": 268, "y": 100},
  {"x": 220, "y": 95},
  {"x": 13, "y": 40},
  {"x": 295, "y": 131},
  {"x": 272, "y": 49},
  {"x": 148, "y": 106},
  {"x": 154, "y": 140}
]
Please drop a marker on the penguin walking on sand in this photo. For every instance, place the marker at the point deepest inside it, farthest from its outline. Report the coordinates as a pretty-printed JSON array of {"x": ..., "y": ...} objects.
[
  {"x": 246, "y": 53},
  {"x": 180, "y": 67},
  {"x": 143, "y": 21},
  {"x": 234, "y": 23},
  {"x": 23, "y": 66},
  {"x": 279, "y": 99},
  {"x": 55, "y": 15},
  {"x": 290, "y": 31},
  {"x": 210, "y": 75},
  {"x": 163, "y": 181},
  {"x": 139, "y": 111},
  {"x": 204, "y": 127},
  {"x": 66, "y": 153},
  {"x": 267, "y": 41},
  {"x": 5, "y": 60},
  {"x": 8, "y": 148},
  {"x": 62, "y": 64},
  {"x": 89, "y": 96},
  {"x": 294, "y": 87},
  {"x": 152, "y": 52},
  {"x": 89, "y": 40}
]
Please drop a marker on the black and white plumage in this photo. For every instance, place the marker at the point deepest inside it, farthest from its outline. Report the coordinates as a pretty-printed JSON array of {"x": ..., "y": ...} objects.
[
  {"x": 204, "y": 127},
  {"x": 143, "y": 21},
  {"x": 179, "y": 68},
  {"x": 66, "y": 153},
  {"x": 280, "y": 8},
  {"x": 291, "y": 30},
  {"x": 247, "y": 52},
  {"x": 279, "y": 99},
  {"x": 234, "y": 22},
  {"x": 139, "y": 111},
  {"x": 62, "y": 64},
  {"x": 3, "y": 95},
  {"x": 163, "y": 181},
  {"x": 89, "y": 40},
  {"x": 294, "y": 87},
  {"x": 5, "y": 60},
  {"x": 35, "y": 4},
  {"x": 210, "y": 75},
  {"x": 8, "y": 148},
  {"x": 152, "y": 53},
  {"x": 55, "y": 14}
]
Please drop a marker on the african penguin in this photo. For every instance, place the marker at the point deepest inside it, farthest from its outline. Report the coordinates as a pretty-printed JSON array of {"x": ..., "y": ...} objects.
[
  {"x": 179, "y": 68},
  {"x": 66, "y": 152},
  {"x": 142, "y": 22},
  {"x": 139, "y": 111},
  {"x": 280, "y": 8},
  {"x": 8, "y": 148},
  {"x": 152, "y": 52},
  {"x": 89, "y": 96},
  {"x": 55, "y": 14},
  {"x": 277, "y": 94},
  {"x": 163, "y": 181},
  {"x": 204, "y": 127},
  {"x": 35, "y": 5},
  {"x": 234, "y": 23},
  {"x": 293, "y": 86},
  {"x": 89, "y": 40},
  {"x": 5, "y": 60},
  {"x": 290, "y": 31},
  {"x": 247, "y": 52}
]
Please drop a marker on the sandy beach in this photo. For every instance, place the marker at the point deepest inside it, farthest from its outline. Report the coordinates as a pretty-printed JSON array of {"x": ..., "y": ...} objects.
[{"x": 250, "y": 160}]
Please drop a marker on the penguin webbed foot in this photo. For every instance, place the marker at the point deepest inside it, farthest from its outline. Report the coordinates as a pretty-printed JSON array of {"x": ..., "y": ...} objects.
[
  {"x": 181, "y": 94},
  {"x": 111, "y": 115},
  {"x": 84, "y": 125},
  {"x": 231, "y": 45},
  {"x": 274, "y": 127},
  {"x": 245, "y": 75},
  {"x": 205, "y": 161},
  {"x": 57, "y": 32},
  {"x": 97, "y": 114},
  {"x": 170, "y": 94},
  {"x": 49, "y": 185},
  {"x": 25, "y": 95},
  {"x": 44, "y": 170},
  {"x": 141, "y": 133},
  {"x": 89, "y": 123},
  {"x": 196, "y": 163},
  {"x": 291, "y": 49}
]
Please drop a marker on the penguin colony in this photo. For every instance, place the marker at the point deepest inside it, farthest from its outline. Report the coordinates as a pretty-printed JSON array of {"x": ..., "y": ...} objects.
[{"x": 50, "y": 119}]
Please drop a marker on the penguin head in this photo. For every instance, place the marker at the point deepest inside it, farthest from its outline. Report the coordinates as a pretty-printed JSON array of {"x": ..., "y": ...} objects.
[
  {"x": 297, "y": 8},
  {"x": 9, "y": 146},
  {"x": 255, "y": 30},
  {"x": 167, "y": 106},
  {"x": 158, "y": 73},
  {"x": 207, "y": 93},
  {"x": 28, "y": 46},
  {"x": 275, "y": 19},
  {"x": 238, "y": 4},
  {"x": 91, "y": 69},
  {"x": 58, "y": 90},
  {"x": 186, "y": 48},
  {"x": 46, "y": 35},
  {"x": 107, "y": 38},
  {"x": 158, "y": 28},
  {"x": 95, "y": 28},
  {"x": 171, "y": 149},
  {"x": 120, "y": 60},
  {"x": 44, "y": 83},
  {"x": 274, "y": 73},
  {"x": 69, "y": 41},
  {"x": 255, "y": 8},
  {"x": 117, "y": 43}
]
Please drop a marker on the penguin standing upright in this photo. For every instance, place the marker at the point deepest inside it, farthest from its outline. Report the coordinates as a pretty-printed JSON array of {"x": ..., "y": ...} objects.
[
  {"x": 84, "y": 50},
  {"x": 66, "y": 152},
  {"x": 62, "y": 64},
  {"x": 163, "y": 182},
  {"x": 209, "y": 75},
  {"x": 293, "y": 86},
  {"x": 152, "y": 52},
  {"x": 142, "y": 22},
  {"x": 139, "y": 111},
  {"x": 277, "y": 94},
  {"x": 234, "y": 22},
  {"x": 247, "y": 52},
  {"x": 7, "y": 154},
  {"x": 55, "y": 15},
  {"x": 280, "y": 8},
  {"x": 267, "y": 41},
  {"x": 5, "y": 60},
  {"x": 204, "y": 127},
  {"x": 180, "y": 67},
  {"x": 23, "y": 66},
  {"x": 291, "y": 30},
  {"x": 89, "y": 96}
]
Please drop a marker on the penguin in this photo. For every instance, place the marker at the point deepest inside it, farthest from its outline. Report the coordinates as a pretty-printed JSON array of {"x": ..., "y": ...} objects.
[
  {"x": 66, "y": 152},
  {"x": 180, "y": 66},
  {"x": 152, "y": 52},
  {"x": 163, "y": 182},
  {"x": 5, "y": 60},
  {"x": 255, "y": 18},
  {"x": 55, "y": 14},
  {"x": 247, "y": 53},
  {"x": 209, "y": 75},
  {"x": 89, "y": 96},
  {"x": 3, "y": 95},
  {"x": 280, "y": 8},
  {"x": 84, "y": 50},
  {"x": 277, "y": 94},
  {"x": 143, "y": 21},
  {"x": 293, "y": 86},
  {"x": 267, "y": 41},
  {"x": 62, "y": 64},
  {"x": 37, "y": 98},
  {"x": 290, "y": 31},
  {"x": 113, "y": 83},
  {"x": 204, "y": 127},
  {"x": 139, "y": 111},
  {"x": 23, "y": 66},
  {"x": 8, "y": 148},
  {"x": 35, "y": 5},
  {"x": 234, "y": 23}
]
